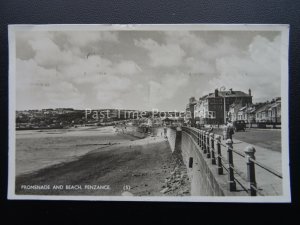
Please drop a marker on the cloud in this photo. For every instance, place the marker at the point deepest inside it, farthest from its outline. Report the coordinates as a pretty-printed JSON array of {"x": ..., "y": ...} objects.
[
  {"x": 94, "y": 68},
  {"x": 107, "y": 69},
  {"x": 81, "y": 38},
  {"x": 225, "y": 46},
  {"x": 48, "y": 54},
  {"x": 162, "y": 55},
  {"x": 87, "y": 70},
  {"x": 126, "y": 67},
  {"x": 64, "y": 93},
  {"x": 199, "y": 66},
  {"x": 197, "y": 46},
  {"x": 201, "y": 54},
  {"x": 258, "y": 69},
  {"x": 166, "y": 89},
  {"x": 264, "y": 51},
  {"x": 57, "y": 65},
  {"x": 41, "y": 87},
  {"x": 30, "y": 74},
  {"x": 186, "y": 39},
  {"x": 111, "y": 90},
  {"x": 60, "y": 48},
  {"x": 114, "y": 83}
]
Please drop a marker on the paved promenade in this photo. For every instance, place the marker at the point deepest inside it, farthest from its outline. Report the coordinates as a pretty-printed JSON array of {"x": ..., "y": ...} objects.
[{"x": 267, "y": 183}]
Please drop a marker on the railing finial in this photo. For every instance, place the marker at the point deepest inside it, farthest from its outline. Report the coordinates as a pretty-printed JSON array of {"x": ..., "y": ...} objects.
[{"x": 250, "y": 151}]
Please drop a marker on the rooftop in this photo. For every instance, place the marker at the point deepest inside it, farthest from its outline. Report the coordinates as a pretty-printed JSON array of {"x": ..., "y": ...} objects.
[{"x": 229, "y": 94}]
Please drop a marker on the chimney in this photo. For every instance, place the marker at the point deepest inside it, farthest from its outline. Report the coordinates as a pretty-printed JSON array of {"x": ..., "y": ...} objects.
[
  {"x": 249, "y": 92},
  {"x": 192, "y": 99},
  {"x": 216, "y": 93}
]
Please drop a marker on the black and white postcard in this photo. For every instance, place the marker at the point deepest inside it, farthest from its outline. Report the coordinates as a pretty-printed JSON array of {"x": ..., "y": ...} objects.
[{"x": 149, "y": 113}]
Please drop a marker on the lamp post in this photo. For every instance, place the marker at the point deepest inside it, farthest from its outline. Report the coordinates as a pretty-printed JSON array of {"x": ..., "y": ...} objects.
[{"x": 224, "y": 110}]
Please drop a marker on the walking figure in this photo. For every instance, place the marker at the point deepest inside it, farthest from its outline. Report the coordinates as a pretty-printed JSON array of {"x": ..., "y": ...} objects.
[
  {"x": 210, "y": 130},
  {"x": 230, "y": 130},
  {"x": 165, "y": 131}
]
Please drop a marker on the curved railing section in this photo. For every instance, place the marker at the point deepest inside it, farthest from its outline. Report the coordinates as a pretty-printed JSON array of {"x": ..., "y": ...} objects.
[{"x": 211, "y": 146}]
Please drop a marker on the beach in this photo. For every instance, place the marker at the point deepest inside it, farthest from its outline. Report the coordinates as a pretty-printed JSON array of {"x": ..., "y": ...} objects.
[{"x": 96, "y": 161}]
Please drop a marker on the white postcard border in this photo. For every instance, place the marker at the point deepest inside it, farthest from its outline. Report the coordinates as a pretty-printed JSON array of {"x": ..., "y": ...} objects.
[{"x": 284, "y": 29}]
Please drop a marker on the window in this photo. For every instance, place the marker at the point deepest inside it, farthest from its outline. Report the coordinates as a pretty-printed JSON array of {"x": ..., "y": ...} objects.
[{"x": 212, "y": 114}]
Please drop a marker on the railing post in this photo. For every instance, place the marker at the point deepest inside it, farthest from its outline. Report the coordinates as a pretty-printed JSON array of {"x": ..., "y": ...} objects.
[
  {"x": 231, "y": 181},
  {"x": 208, "y": 145},
  {"x": 191, "y": 162},
  {"x": 204, "y": 143},
  {"x": 250, "y": 151},
  {"x": 220, "y": 167},
  {"x": 199, "y": 138},
  {"x": 201, "y": 135},
  {"x": 212, "y": 149}
]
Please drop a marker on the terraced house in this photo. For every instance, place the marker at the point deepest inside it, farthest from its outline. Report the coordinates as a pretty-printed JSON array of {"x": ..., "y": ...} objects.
[{"x": 270, "y": 112}]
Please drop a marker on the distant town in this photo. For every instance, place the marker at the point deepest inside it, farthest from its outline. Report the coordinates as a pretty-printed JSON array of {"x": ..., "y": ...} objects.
[
  {"x": 215, "y": 108},
  {"x": 69, "y": 117}
]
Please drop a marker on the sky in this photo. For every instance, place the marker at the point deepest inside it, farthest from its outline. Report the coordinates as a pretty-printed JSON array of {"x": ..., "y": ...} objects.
[{"x": 142, "y": 70}]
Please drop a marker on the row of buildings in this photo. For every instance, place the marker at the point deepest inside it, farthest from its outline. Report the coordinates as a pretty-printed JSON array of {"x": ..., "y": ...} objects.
[
  {"x": 220, "y": 106},
  {"x": 69, "y": 117},
  {"x": 42, "y": 112}
]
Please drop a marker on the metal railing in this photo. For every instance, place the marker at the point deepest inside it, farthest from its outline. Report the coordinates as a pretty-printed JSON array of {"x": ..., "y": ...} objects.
[{"x": 211, "y": 147}]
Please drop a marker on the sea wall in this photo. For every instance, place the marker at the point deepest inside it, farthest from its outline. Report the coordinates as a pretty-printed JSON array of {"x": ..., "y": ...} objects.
[
  {"x": 133, "y": 131},
  {"x": 203, "y": 177},
  {"x": 174, "y": 139},
  {"x": 140, "y": 132}
]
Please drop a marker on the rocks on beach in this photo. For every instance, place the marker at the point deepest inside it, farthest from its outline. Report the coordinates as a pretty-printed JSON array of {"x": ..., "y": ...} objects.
[{"x": 177, "y": 184}]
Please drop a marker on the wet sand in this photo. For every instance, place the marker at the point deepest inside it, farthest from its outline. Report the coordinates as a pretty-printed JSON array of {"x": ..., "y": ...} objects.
[
  {"x": 39, "y": 149},
  {"x": 141, "y": 167}
]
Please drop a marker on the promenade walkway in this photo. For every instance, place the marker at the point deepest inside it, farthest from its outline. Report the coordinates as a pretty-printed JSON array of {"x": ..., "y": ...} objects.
[{"x": 267, "y": 183}]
